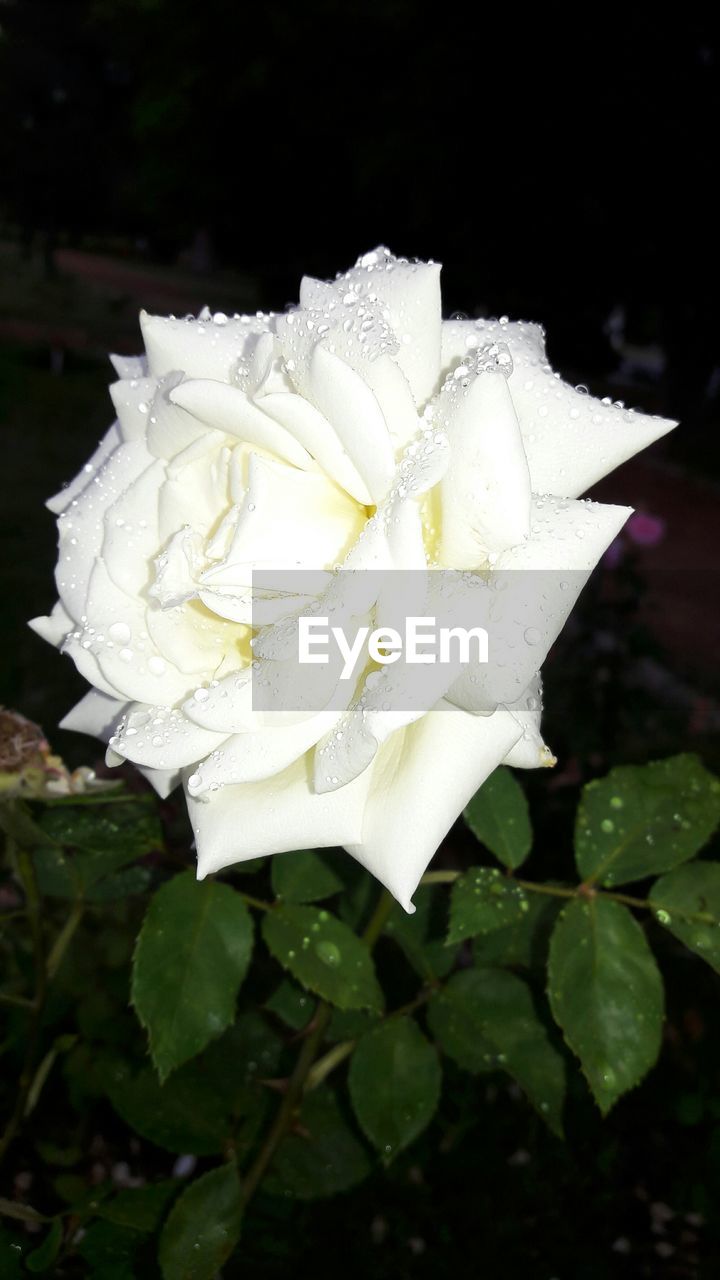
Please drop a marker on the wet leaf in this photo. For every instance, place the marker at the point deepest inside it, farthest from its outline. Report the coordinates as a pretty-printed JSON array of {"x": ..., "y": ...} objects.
[
  {"x": 482, "y": 900},
  {"x": 191, "y": 957},
  {"x": 324, "y": 955},
  {"x": 498, "y": 816},
  {"x": 485, "y": 1020},
  {"x": 203, "y": 1227},
  {"x": 606, "y": 994},
  {"x": 644, "y": 819},
  {"x": 394, "y": 1084}
]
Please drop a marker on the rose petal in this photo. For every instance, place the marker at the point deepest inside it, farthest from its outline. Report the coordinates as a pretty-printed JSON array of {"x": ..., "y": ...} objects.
[
  {"x": 315, "y": 434},
  {"x": 107, "y": 446},
  {"x": 200, "y": 348},
  {"x": 229, "y": 409},
  {"x": 485, "y": 493},
  {"x": 349, "y": 404},
  {"x": 162, "y": 737},
  {"x": 253, "y": 756},
  {"x": 274, "y": 816},
  {"x": 420, "y": 783}
]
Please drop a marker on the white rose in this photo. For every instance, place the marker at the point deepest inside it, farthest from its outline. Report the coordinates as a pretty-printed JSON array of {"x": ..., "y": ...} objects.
[{"x": 359, "y": 429}]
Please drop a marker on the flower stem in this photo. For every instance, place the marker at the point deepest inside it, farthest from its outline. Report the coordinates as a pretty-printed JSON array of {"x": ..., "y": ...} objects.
[
  {"x": 291, "y": 1100},
  {"x": 297, "y": 1083},
  {"x": 64, "y": 939}
]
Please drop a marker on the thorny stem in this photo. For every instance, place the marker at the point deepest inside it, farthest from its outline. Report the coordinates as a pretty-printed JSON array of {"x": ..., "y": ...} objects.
[
  {"x": 297, "y": 1083},
  {"x": 555, "y": 890}
]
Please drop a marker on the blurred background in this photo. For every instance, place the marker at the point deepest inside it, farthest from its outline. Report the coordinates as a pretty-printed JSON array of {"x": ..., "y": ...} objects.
[{"x": 166, "y": 154}]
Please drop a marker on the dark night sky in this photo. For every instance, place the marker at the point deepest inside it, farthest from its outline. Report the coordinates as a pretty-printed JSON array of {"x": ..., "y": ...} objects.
[{"x": 556, "y": 162}]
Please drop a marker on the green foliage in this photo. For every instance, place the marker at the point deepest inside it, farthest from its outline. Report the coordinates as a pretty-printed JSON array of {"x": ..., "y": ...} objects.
[
  {"x": 524, "y": 943},
  {"x": 291, "y": 1004},
  {"x": 606, "y": 993},
  {"x": 324, "y": 955},
  {"x": 498, "y": 815},
  {"x": 140, "y": 1208},
  {"x": 421, "y": 937},
  {"x": 484, "y": 900},
  {"x": 322, "y": 1157},
  {"x": 644, "y": 819},
  {"x": 687, "y": 902},
  {"x": 485, "y": 1019},
  {"x": 305, "y": 876},
  {"x": 87, "y": 845},
  {"x": 394, "y": 1084},
  {"x": 185, "y": 1114},
  {"x": 192, "y": 955},
  {"x": 203, "y": 1227},
  {"x": 333, "y": 1062},
  {"x": 43, "y": 1258}
]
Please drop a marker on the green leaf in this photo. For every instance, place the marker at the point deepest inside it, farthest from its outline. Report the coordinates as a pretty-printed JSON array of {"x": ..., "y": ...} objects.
[
  {"x": 104, "y": 839},
  {"x": 322, "y": 1157},
  {"x": 687, "y": 902},
  {"x": 192, "y": 954},
  {"x": 110, "y": 1249},
  {"x": 124, "y": 884},
  {"x": 203, "y": 1227},
  {"x": 42, "y": 1258},
  {"x": 394, "y": 1084},
  {"x": 304, "y": 876},
  {"x": 12, "y": 1250},
  {"x": 525, "y": 942},
  {"x": 606, "y": 994},
  {"x": 485, "y": 1019},
  {"x": 421, "y": 936},
  {"x": 187, "y": 1114},
  {"x": 139, "y": 1207},
  {"x": 482, "y": 900},
  {"x": 291, "y": 1004},
  {"x": 193, "y": 1111},
  {"x": 349, "y": 1024},
  {"x": 324, "y": 955},
  {"x": 644, "y": 819},
  {"x": 249, "y": 867},
  {"x": 498, "y": 815}
]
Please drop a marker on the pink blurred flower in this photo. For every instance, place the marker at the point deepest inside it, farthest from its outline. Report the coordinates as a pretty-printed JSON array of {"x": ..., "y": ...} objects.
[{"x": 645, "y": 530}]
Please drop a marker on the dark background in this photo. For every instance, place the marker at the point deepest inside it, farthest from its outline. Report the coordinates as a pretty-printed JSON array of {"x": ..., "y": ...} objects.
[{"x": 170, "y": 153}]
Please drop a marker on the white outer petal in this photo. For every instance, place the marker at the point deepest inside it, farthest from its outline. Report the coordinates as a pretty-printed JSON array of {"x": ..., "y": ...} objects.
[
  {"x": 411, "y": 293},
  {"x": 130, "y": 367},
  {"x": 96, "y": 714},
  {"x": 573, "y": 440},
  {"x": 530, "y": 751},
  {"x": 542, "y": 579},
  {"x": 81, "y": 527},
  {"x": 421, "y": 781},
  {"x": 162, "y": 737},
  {"x": 109, "y": 443},
  {"x": 132, "y": 400},
  {"x": 274, "y": 816},
  {"x": 259, "y": 754},
  {"x": 200, "y": 348},
  {"x": 54, "y": 626}
]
